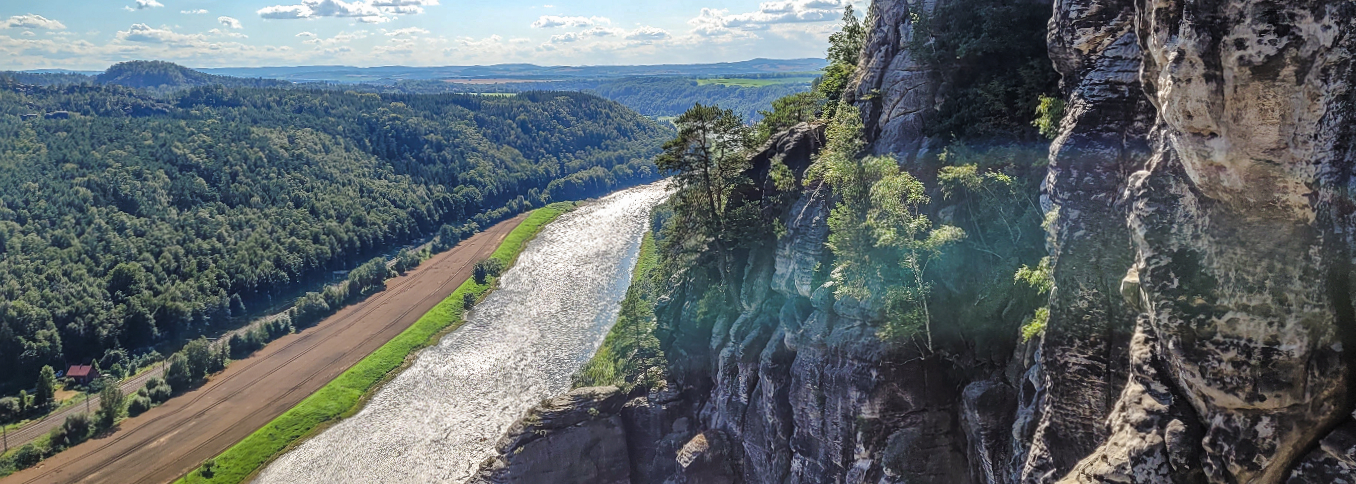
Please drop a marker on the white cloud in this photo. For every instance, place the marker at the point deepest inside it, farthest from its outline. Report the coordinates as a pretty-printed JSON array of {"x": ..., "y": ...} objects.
[
  {"x": 404, "y": 3},
  {"x": 366, "y": 11},
  {"x": 564, "y": 38},
  {"x": 285, "y": 12},
  {"x": 716, "y": 22},
  {"x": 227, "y": 33},
  {"x": 553, "y": 21},
  {"x": 145, "y": 4},
  {"x": 306, "y": 35},
  {"x": 32, "y": 21},
  {"x": 340, "y": 38},
  {"x": 230, "y": 22},
  {"x": 648, "y": 33},
  {"x": 603, "y": 32},
  {"x": 404, "y": 10},
  {"x": 150, "y": 35},
  {"x": 194, "y": 12},
  {"x": 408, "y": 31}
]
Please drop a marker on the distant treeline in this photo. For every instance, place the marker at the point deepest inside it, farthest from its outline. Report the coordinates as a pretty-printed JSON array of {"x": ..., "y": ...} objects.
[{"x": 651, "y": 96}]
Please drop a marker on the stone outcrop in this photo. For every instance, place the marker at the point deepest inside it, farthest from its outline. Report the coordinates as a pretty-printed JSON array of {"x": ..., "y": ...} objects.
[
  {"x": 894, "y": 91},
  {"x": 574, "y": 438},
  {"x": 1200, "y": 327},
  {"x": 1242, "y": 223},
  {"x": 1103, "y": 138}
]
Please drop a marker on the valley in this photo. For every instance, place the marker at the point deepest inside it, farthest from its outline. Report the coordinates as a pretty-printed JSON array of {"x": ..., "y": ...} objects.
[{"x": 173, "y": 439}]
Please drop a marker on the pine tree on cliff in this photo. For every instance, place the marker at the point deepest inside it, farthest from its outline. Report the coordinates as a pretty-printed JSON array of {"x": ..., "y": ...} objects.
[{"x": 707, "y": 161}]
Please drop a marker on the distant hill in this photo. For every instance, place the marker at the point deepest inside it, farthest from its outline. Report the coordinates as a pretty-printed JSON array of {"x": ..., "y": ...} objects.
[
  {"x": 390, "y": 74},
  {"x": 160, "y": 75}
]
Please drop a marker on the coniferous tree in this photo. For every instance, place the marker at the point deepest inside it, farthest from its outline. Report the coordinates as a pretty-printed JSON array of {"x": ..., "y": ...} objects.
[{"x": 45, "y": 394}]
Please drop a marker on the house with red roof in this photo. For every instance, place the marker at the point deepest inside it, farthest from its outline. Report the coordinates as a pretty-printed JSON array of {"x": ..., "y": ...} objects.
[{"x": 82, "y": 374}]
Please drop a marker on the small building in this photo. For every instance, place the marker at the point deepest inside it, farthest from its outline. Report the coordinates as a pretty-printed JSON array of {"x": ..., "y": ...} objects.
[
  {"x": 82, "y": 374},
  {"x": 29, "y": 116},
  {"x": 59, "y": 115}
]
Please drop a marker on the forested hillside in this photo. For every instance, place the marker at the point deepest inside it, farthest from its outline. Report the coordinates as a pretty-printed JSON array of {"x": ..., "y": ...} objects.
[
  {"x": 165, "y": 76},
  {"x": 128, "y": 220}
]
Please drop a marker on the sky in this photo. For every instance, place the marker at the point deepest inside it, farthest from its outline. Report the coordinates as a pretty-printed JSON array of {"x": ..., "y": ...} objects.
[{"x": 93, "y": 34}]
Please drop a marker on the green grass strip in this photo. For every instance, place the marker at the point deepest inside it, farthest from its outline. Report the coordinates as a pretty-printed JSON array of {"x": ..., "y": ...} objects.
[
  {"x": 622, "y": 358},
  {"x": 344, "y": 395}
]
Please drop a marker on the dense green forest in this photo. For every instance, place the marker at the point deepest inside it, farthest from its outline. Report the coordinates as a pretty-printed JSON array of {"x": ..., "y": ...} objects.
[{"x": 133, "y": 219}]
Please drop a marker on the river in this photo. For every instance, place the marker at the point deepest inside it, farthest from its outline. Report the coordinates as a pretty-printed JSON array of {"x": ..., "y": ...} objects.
[{"x": 441, "y": 417}]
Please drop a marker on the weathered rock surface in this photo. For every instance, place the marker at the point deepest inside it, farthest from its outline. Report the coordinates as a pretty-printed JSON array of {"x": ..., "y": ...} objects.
[
  {"x": 1102, "y": 139},
  {"x": 1201, "y": 323},
  {"x": 574, "y": 438},
  {"x": 1333, "y": 462},
  {"x": 896, "y": 93},
  {"x": 1242, "y": 223}
]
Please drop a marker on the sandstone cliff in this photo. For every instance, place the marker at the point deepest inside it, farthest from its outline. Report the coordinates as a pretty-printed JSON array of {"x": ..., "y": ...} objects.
[{"x": 1201, "y": 233}]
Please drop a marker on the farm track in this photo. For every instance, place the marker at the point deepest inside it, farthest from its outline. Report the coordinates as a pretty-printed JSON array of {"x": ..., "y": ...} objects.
[{"x": 171, "y": 440}]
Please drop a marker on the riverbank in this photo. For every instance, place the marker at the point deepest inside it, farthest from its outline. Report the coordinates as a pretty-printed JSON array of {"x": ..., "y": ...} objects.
[
  {"x": 171, "y": 440},
  {"x": 346, "y": 394},
  {"x": 438, "y": 419}
]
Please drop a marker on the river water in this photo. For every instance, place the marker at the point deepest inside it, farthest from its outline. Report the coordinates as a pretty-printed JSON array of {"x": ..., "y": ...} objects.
[{"x": 440, "y": 418}]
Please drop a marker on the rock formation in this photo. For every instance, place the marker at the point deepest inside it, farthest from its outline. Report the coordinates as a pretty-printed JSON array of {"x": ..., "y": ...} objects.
[{"x": 1201, "y": 323}]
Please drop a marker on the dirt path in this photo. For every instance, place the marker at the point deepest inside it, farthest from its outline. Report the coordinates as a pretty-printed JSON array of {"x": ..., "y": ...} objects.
[
  {"x": 37, "y": 428},
  {"x": 172, "y": 439}
]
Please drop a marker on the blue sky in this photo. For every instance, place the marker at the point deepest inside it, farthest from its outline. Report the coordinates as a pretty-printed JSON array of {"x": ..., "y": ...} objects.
[{"x": 92, "y": 34}]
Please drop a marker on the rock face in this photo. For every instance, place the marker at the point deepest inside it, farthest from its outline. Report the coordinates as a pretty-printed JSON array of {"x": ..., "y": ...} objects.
[
  {"x": 1242, "y": 223},
  {"x": 575, "y": 438},
  {"x": 1201, "y": 326},
  {"x": 895, "y": 92},
  {"x": 1103, "y": 138}
]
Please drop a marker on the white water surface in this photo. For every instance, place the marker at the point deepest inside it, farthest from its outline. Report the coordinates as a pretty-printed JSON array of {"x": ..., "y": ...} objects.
[{"x": 440, "y": 418}]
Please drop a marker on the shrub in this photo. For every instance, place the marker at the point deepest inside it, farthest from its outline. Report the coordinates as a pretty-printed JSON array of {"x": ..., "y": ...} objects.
[
  {"x": 1048, "y": 116},
  {"x": 407, "y": 260},
  {"x": 449, "y": 236},
  {"x": 27, "y": 456},
  {"x": 468, "y": 300},
  {"x": 74, "y": 430},
  {"x": 199, "y": 355},
  {"x": 178, "y": 375},
  {"x": 488, "y": 268},
  {"x": 111, "y": 403},
  {"x": 144, "y": 359},
  {"x": 310, "y": 308},
  {"x": 1036, "y": 325},
  {"x": 158, "y": 390},
  {"x": 10, "y": 410},
  {"x": 370, "y": 276},
  {"x": 139, "y": 404}
]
